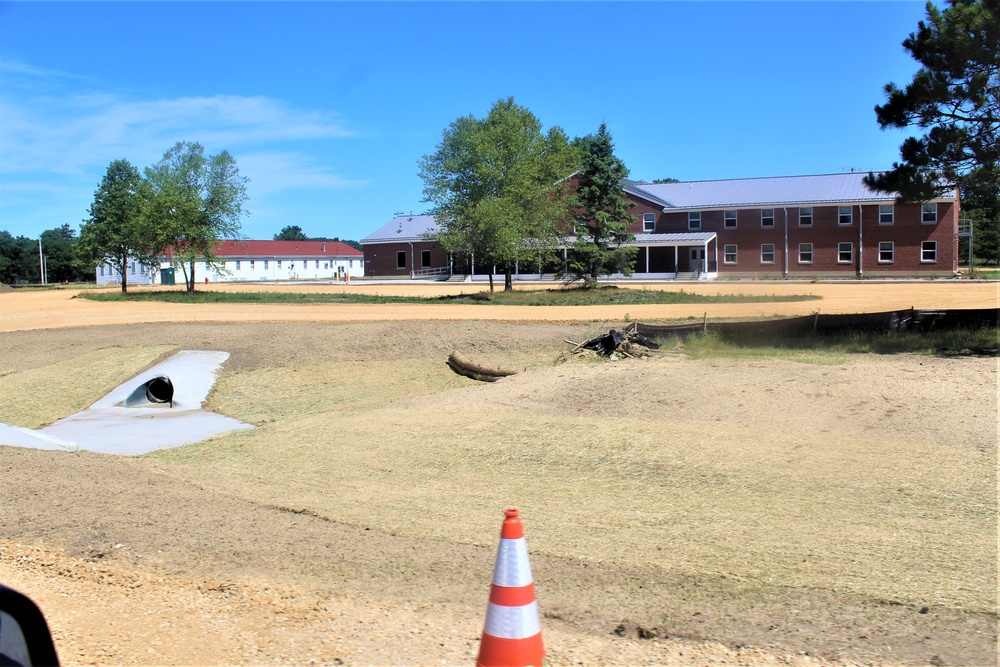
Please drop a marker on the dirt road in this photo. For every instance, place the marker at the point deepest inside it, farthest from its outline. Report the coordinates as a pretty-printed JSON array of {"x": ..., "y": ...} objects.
[
  {"x": 142, "y": 561},
  {"x": 59, "y": 308}
]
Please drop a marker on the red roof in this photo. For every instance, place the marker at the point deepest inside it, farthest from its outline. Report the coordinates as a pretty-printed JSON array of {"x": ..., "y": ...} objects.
[{"x": 266, "y": 249}]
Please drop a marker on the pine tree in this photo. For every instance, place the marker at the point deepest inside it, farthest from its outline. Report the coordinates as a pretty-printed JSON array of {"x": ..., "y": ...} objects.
[{"x": 603, "y": 221}]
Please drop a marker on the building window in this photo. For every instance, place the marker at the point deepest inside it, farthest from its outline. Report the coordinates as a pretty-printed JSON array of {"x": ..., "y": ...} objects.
[
  {"x": 101, "y": 269},
  {"x": 279, "y": 263},
  {"x": 767, "y": 217},
  {"x": 648, "y": 222},
  {"x": 326, "y": 265},
  {"x": 845, "y": 252},
  {"x": 265, "y": 264},
  {"x": 767, "y": 253},
  {"x": 252, "y": 262},
  {"x": 401, "y": 259},
  {"x": 730, "y": 220},
  {"x": 694, "y": 221},
  {"x": 729, "y": 254},
  {"x": 806, "y": 216},
  {"x": 132, "y": 268},
  {"x": 886, "y": 250},
  {"x": 237, "y": 265},
  {"x": 805, "y": 253},
  {"x": 928, "y": 252},
  {"x": 928, "y": 214},
  {"x": 425, "y": 258},
  {"x": 885, "y": 214},
  {"x": 845, "y": 215}
]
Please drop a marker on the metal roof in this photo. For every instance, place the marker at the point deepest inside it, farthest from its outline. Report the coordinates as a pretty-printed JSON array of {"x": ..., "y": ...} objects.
[
  {"x": 656, "y": 239},
  {"x": 760, "y": 192},
  {"x": 267, "y": 249},
  {"x": 404, "y": 228},
  {"x": 673, "y": 239}
]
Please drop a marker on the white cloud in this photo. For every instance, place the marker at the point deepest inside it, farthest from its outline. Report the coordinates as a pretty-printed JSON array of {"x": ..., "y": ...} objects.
[
  {"x": 69, "y": 136},
  {"x": 282, "y": 171}
]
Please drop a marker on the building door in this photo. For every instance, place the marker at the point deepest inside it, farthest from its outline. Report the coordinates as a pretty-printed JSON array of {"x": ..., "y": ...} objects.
[{"x": 697, "y": 260}]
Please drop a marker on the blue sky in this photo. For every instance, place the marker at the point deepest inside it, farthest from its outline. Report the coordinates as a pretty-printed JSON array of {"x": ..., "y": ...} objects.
[{"x": 328, "y": 106}]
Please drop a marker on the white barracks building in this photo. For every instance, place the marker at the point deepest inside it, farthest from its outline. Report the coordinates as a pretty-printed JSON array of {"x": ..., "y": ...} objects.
[{"x": 257, "y": 261}]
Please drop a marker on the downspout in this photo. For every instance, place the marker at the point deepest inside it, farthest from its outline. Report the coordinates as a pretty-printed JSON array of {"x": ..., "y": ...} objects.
[
  {"x": 784, "y": 272},
  {"x": 861, "y": 238}
]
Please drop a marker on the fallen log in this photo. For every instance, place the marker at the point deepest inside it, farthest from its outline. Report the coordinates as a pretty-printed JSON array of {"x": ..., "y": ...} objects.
[{"x": 470, "y": 369}]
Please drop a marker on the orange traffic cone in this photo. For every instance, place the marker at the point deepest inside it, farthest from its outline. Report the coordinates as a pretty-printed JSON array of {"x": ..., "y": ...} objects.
[{"x": 512, "y": 636}]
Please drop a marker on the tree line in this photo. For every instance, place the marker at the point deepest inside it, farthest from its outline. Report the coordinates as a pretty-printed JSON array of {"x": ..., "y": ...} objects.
[
  {"x": 22, "y": 261},
  {"x": 295, "y": 233}
]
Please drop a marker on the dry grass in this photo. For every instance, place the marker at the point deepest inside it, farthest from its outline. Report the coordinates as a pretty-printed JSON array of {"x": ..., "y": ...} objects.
[
  {"x": 40, "y": 396},
  {"x": 834, "y": 481}
]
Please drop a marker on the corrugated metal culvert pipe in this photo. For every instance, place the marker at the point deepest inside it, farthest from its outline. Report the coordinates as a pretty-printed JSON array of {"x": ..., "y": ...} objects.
[{"x": 158, "y": 390}]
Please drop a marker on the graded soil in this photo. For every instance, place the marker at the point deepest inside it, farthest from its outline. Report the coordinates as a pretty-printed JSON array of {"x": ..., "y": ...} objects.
[{"x": 184, "y": 559}]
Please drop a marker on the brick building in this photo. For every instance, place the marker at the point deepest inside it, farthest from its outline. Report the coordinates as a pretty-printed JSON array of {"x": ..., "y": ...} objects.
[{"x": 796, "y": 226}]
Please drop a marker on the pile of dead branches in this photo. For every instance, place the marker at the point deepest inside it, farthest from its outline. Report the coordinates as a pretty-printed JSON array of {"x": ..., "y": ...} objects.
[{"x": 625, "y": 344}]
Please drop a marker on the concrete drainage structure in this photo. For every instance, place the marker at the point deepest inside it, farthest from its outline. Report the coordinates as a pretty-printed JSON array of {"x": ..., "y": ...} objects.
[{"x": 158, "y": 409}]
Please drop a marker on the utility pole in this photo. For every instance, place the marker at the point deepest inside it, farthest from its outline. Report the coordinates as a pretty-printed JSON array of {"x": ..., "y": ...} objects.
[{"x": 41, "y": 263}]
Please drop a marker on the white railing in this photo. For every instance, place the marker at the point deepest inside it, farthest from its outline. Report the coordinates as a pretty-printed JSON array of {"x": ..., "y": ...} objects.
[{"x": 438, "y": 271}]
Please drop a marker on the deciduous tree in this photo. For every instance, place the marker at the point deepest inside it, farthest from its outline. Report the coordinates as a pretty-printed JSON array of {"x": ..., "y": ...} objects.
[
  {"x": 291, "y": 233},
  {"x": 196, "y": 202},
  {"x": 57, "y": 246},
  {"x": 494, "y": 184},
  {"x": 18, "y": 259},
  {"x": 116, "y": 233}
]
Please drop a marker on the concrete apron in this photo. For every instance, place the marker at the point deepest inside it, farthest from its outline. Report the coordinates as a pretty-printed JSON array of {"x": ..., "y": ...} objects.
[{"x": 110, "y": 428}]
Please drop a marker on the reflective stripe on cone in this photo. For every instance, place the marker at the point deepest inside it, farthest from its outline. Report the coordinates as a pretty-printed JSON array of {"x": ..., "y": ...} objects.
[{"x": 512, "y": 634}]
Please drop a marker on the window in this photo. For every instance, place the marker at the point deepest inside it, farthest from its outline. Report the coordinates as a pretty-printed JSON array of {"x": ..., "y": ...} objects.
[
  {"x": 326, "y": 265},
  {"x": 806, "y": 216},
  {"x": 730, "y": 221},
  {"x": 252, "y": 262},
  {"x": 767, "y": 253},
  {"x": 425, "y": 258},
  {"x": 928, "y": 214},
  {"x": 928, "y": 252},
  {"x": 805, "y": 253},
  {"x": 101, "y": 267},
  {"x": 886, "y": 250},
  {"x": 729, "y": 254},
  {"x": 885, "y": 214},
  {"x": 401, "y": 259},
  {"x": 132, "y": 268},
  {"x": 279, "y": 263},
  {"x": 845, "y": 252},
  {"x": 265, "y": 264},
  {"x": 767, "y": 218},
  {"x": 648, "y": 222},
  {"x": 845, "y": 215},
  {"x": 694, "y": 220},
  {"x": 237, "y": 265}
]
